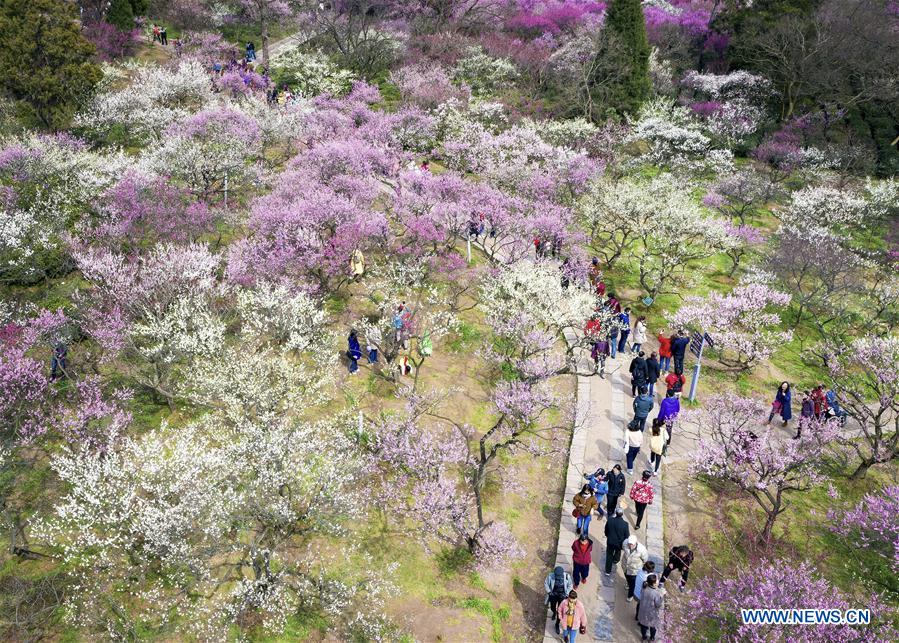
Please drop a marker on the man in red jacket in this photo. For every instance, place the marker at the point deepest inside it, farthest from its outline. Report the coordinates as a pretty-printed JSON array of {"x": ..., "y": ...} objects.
[{"x": 582, "y": 556}]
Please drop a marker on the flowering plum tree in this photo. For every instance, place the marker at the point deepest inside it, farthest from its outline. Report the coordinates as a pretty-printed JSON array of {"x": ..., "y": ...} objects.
[
  {"x": 714, "y": 608},
  {"x": 208, "y": 149},
  {"x": 744, "y": 237},
  {"x": 763, "y": 466},
  {"x": 212, "y": 522},
  {"x": 865, "y": 378},
  {"x": 741, "y": 323},
  {"x": 154, "y": 308},
  {"x": 873, "y": 524},
  {"x": 738, "y": 195}
]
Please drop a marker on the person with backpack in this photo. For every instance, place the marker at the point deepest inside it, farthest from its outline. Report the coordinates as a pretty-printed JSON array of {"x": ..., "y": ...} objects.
[
  {"x": 664, "y": 352},
  {"x": 679, "y": 344},
  {"x": 617, "y": 532},
  {"x": 642, "y": 405},
  {"x": 597, "y": 482},
  {"x": 642, "y": 494},
  {"x": 584, "y": 504},
  {"x": 557, "y": 585},
  {"x": 573, "y": 617},
  {"x": 638, "y": 373},
  {"x": 675, "y": 381},
  {"x": 806, "y": 413},
  {"x": 617, "y": 485},
  {"x": 581, "y": 557},
  {"x": 679, "y": 558},
  {"x": 653, "y": 370}
]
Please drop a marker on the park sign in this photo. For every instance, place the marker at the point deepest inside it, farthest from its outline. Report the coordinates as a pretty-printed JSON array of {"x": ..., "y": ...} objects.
[
  {"x": 698, "y": 341},
  {"x": 696, "y": 344}
]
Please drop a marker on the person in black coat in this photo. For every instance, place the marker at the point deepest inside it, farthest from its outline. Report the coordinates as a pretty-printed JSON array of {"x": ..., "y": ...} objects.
[
  {"x": 617, "y": 533},
  {"x": 679, "y": 343},
  {"x": 652, "y": 372},
  {"x": 638, "y": 373},
  {"x": 617, "y": 485}
]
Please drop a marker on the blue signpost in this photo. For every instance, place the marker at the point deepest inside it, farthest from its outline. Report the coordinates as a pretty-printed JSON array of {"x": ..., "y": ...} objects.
[{"x": 697, "y": 344}]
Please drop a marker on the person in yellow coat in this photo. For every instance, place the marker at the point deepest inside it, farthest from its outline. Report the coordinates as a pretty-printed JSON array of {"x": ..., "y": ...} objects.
[{"x": 357, "y": 264}]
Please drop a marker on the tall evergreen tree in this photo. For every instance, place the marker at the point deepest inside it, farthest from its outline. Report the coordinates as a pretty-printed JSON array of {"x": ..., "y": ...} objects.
[
  {"x": 120, "y": 14},
  {"x": 46, "y": 65},
  {"x": 625, "y": 19}
]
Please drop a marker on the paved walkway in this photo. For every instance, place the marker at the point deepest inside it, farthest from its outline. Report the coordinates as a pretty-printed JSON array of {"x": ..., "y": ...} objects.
[{"x": 603, "y": 410}]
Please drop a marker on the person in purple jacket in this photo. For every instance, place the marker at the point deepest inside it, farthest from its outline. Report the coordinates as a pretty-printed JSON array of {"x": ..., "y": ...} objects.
[{"x": 669, "y": 408}]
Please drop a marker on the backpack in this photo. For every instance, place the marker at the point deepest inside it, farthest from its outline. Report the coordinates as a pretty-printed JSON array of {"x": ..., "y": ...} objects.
[{"x": 558, "y": 585}]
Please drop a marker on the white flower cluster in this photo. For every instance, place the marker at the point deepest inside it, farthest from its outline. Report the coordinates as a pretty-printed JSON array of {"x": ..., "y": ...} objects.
[
  {"x": 571, "y": 133},
  {"x": 154, "y": 98},
  {"x": 310, "y": 73},
  {"x": 670, "y": 135},
  {"x": 483, "y": 73}
]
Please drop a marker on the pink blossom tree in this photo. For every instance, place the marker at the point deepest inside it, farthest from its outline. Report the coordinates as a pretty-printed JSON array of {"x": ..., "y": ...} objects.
[
  {"x": 873, "y": 524},
  {"x": 713, "y": 610},
  {"x": 743, "y": 324},
  {"x": 865, "y": 376},
  {"x": 758, "y": 462}
]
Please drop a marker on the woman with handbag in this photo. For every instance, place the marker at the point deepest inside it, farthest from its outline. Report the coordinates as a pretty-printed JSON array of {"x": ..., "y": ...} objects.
[
  {"x": 658, "y": 444},
  {"x": 573, "y": 617},
  {"x": 781, "y": 405}
]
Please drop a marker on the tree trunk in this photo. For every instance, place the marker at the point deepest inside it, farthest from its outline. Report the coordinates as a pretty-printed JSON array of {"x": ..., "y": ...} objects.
[
  {"x": 862, "y": 470},
  {"x": 265, "y": 54}
]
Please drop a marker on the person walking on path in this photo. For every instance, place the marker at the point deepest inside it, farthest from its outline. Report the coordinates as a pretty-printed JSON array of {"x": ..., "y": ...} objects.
[
  {"x": 679, "y": 344},
  {"x": 653, "y": 370},
  {"x": 669, "y": 408},
  {"x": 584, "y": 504},
  {"x": 820, "y": 401},
  {"x": 557, "y": 585},
  {"x": 617, "y": 533},
  {"x": 597, "y": 482},
  {"x": 664, "y": 352},
  {"x": 658, "y": 442},
  {"x": 638, "y": 373},
  {"x": 782, "y": 404},
  {"x": 354, "y": 351},
  {"x": 639, "y": 334},
  {"x": 642, "y": 494},
  {"x": 625, "y": 320},
  {"x": 679, "y": 558},
  {"x": 635, "y": 556},
  {"x": 634, "y": 442},
  {"x": 163, "y": 37},
  {"x": 599, "y": 353},
  {"x": 648, "y": 568},
  {"x": 357, "y": 264},
  {"x": 373, "y": 339},
  {"x": 573, "y": 617},
  {"x": 58, "y": 361},
  {"x": 674, "y": 382},
  {"x": 643, "y": 404},
  {"x": 834, "y": 408},
  {"x": 806, "y": 413},
  {"x": 581, "y": 557},
  {"x": 649, "y": 614},
  {"x": 617, "y": 486}
]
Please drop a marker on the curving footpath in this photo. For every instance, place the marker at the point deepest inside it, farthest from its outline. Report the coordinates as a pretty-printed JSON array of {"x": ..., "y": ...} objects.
[{"x": 601, "y": 415}]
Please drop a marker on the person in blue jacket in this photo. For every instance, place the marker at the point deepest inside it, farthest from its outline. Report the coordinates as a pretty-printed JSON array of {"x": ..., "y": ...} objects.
[
  {"x": 679, "y": 344},
  {"x": 625, "y": 319},
  {"x": 354, "y": 351},
  {"x": 597, "y": 482},
  {"x": 781, "y": 405}
]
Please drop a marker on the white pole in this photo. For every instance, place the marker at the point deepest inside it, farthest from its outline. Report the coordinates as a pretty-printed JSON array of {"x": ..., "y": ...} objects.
[
  {"x": 469, "y": 248},
  {"x": 226, "y": 190},
  {"x": 360, "y": 422},
  {"x": 695, "y": 382}
]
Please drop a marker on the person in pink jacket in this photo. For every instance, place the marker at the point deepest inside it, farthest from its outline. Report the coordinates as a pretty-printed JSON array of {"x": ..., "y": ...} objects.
[{"x": 573, "y": 618}]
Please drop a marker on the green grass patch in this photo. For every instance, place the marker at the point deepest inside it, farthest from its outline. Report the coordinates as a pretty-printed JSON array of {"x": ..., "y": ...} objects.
[{"x": 496, "y": 614}]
